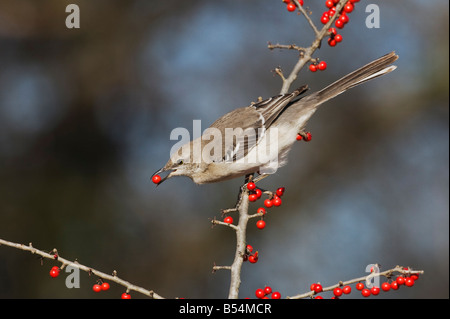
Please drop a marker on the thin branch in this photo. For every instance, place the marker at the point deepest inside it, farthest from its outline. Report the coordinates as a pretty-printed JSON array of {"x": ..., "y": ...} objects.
[
  {"x": 387, "y": 273},
  {"x": 218, "y": 222},
  {"x": 240, "y": 247},
  {"x": 113, "y": 278},
  {"x": 303, "y": 11},
  {"x": 285, "y": 46},
  {"x": 308, "y": 52}
]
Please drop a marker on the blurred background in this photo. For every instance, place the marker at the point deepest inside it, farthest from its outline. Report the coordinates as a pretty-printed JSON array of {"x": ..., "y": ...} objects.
[{"x": 85, "y": 120}]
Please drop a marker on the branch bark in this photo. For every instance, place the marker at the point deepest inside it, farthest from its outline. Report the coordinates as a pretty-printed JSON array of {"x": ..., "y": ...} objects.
[{"x": 112, "y": 278}]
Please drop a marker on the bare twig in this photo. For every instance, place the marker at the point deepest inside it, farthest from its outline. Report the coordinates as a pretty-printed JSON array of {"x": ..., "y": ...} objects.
[{"x": 113, "y": 278}]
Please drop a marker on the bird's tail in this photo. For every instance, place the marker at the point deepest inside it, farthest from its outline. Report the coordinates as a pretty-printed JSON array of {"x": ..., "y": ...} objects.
[{"x": 374, "y": 69}]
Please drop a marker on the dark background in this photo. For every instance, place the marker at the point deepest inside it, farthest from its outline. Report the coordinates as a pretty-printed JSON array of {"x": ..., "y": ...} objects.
[{"x": 85, "y": 119}]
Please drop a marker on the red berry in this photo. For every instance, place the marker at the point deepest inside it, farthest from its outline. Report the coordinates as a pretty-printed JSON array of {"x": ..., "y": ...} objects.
[
  {"x": 258, "y": 193},
  {"x": 339, "y": 23},
  {"x": 338, "y": 38},
  {"x": 300, "y": 2},
  {"x": 253, "y": 197},
  {"x": 348, "y": 7},
  {"x": 268, "y": 203},
  {"x": 322, "y": 65},
  {"x": 365, "y": 292},
  {"x": 276, "y": 295},
  {"x": 409, "y": 282},
  {"x": 261, "y": 211},
  {"x": 308, "y": 137},
  {"x": 337, "y": 292},
  {"x": 97, "y": 288},
  {"x": 249, "y": 248},
  {"x": 312, "y": 68},
  {"x": 299, "y": 137},
  {"x": 228, "y": 220},
  {"x": 375, "y": 290},
  {"x": 291, "y": 7},
  {"x": 253, "y": 259},
  {"x": 267, "y": 290},
  {"x": 261, "y": 224},
  {"x": 317, "y": 288},
  {"x": 360, "y": 286},
  {"x": 347, "y": 289},
  {"x": 344, "y": 18},
  {"x": 276, "y": 201},
  {"x": 400, "y": 280},
  {"x": 312, "y": 287},
  {"x": 105, "y": 286},
  {"x": 332, "y": 42},
  {"x": 259, "y": 293},
  {"x": 156, "y": 179},
  {"x": 385, "y": 286},
  {"x": 329, "y": 3},
  {"x": 332, "y": 31},
  {"x": 324, "y": 19},
  {"x": 54, "y": 272},
  {"x": 251, "y": 186},
  {"x": 318, "y": 297},
  {"x": 414, "y": 276},
  {"x": 280, "y": 191},
  {"x": 394, "y": 285},
  {"x": 126, "y": 296}
]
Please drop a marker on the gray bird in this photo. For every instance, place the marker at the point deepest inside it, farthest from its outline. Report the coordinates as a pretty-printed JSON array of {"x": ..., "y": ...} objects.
[{"x": 257, "y": 138}]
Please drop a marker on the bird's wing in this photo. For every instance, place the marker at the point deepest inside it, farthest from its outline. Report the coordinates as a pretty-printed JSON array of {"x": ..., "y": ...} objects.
[{"x": 243, "y": 128}]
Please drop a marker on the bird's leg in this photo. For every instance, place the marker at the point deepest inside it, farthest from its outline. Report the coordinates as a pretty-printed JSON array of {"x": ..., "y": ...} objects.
[
  {"x": 248, "y": 179},
  {"x": 260, "y": 177}
]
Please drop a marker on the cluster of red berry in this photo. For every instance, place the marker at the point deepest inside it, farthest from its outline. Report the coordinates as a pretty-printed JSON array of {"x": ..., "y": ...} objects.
[
  {"x": 291, "y": 6},
  {"x": 264, "y": 293},
  {"x": 322, "y": 65},
  {"x": 395, "y": 284},
  {"x": 255, "y": 194},
  {"x": 249, "y": 255},
  {"x": 386, "y": 286},
  {"x": 340, "y": 22},
  {"x": 100, "y": 286}
]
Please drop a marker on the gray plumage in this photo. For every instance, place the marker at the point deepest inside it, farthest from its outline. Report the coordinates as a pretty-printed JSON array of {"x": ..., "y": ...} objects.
[{"x": 264, "y": 131}]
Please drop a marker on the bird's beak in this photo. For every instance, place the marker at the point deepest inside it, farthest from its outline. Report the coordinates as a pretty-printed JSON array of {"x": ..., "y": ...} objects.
[{"x": 160, "y": 171}]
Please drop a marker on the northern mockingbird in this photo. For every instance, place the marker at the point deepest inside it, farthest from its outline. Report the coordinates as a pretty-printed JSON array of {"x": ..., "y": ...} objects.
[{"x": 257, "y": 138}]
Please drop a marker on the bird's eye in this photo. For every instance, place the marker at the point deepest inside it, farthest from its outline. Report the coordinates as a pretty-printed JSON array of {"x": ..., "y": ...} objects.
[{"x": 179, "y": 162}]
